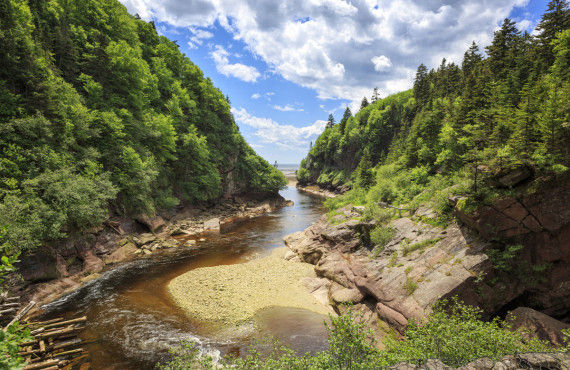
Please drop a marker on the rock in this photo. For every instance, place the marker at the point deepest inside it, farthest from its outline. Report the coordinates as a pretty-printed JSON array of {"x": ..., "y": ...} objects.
[
  {"x": 541, "y": 325},
  {"x": 40, "y": 266},
  {"x": 152, "y": 224},
  {"x": 544, "y": 360},
  {"x": 318, "y": 287},
  {"x": 146, "y": 251},
  {"x": 392, "y": 317},
  {"x": 61, "y": 266},
  {"x": 346, "y": 295},
  {"x": 176, "y": 231},
  {"x": 144, "y": 239},
  {"x": 122, "y": 253},
  {"x": 289, "y": 203},
  {"x": 202, "y": 239},
  {"x": 513, "y": 176},
  {"x": 91, "y": 262},
  {"x": 212, "y": 224}
]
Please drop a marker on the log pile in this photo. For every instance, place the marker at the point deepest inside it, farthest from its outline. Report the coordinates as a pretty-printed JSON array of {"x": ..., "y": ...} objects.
[
  {"x": 9, "y": 306},
  {"x": 55, "y": 344}
]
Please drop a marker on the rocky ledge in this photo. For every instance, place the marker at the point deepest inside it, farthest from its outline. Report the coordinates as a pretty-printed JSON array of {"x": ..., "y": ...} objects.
[
  {"x": 317, "y": 190},
  {"x": 424, "y": 263},
  {"x": 49, "y": 274}
]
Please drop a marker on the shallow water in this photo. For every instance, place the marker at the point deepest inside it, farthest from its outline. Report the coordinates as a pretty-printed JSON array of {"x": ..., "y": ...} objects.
[{"x": 132, "y": 321}]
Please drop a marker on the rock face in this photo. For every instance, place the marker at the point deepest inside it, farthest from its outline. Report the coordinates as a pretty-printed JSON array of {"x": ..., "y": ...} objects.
[
  {"x": 541, "y": 223},
  {"x": 420, "y": 265},
  {"x": 423, "y": 264},
  {"x": 539, "y": 324}
]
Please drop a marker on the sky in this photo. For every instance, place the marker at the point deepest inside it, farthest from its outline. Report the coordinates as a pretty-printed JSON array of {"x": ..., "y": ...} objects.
[{"x": 287, "y": 64}]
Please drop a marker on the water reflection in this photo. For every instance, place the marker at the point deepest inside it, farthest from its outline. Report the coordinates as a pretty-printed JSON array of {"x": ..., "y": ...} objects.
[{"x": 131, "y": 319}]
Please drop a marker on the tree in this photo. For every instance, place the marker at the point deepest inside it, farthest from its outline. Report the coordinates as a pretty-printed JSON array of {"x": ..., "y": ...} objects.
[
  {"x": 330, "y": 121},
  {"x": 502, "y": 51},
  {"x": 555, "y": 20},
  {"x": 375, "y": 95},
  {"x": 364, "y": 103},
  {"x": 471, "y": 60},
  {"x": 421, "y": 86},
  {"x": 347, "y": 114}
]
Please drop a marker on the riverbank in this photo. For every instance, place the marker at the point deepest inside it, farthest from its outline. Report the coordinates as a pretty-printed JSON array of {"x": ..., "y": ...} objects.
[
  {"x": 316, "y": 190},
  {"x": 48, "y": 276},
  {"x": 231, "y": 294}
]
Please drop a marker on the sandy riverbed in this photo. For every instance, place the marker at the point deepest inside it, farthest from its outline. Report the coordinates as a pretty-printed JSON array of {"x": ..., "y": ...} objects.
[{"x": 231, "y": 294}]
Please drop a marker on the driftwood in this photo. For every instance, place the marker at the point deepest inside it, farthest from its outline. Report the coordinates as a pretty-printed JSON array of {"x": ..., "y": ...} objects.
[
  {"x": 21, "y": 314},
  {"x": 55, "y": 344}
]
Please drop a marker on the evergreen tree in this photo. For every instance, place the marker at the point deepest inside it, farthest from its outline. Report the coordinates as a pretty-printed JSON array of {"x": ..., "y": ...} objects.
[
  {"x": 502, "y": 51},
  {"x": 421, "y": 86},
  {"x": 375, "y": 95},
  {"x": 555, "y": 20},
  {"x": 471, "y": 60},
  {"x": 347, "y": 114},
  {"x": 364, "y": 103},
  {"x": 330, "y": 121}
]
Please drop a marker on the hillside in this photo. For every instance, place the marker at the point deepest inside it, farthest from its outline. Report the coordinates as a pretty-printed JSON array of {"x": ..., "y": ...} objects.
[
  {"x": 461, "y": 128},
  {"x": 97, "y": 113}
]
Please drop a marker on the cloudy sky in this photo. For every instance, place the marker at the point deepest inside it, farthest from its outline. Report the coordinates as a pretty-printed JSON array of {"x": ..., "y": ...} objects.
[{"x": 287, "y": 64}]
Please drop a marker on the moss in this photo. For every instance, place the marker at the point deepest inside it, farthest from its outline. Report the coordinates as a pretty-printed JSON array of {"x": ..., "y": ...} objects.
[{"x": 410, "y": 286}]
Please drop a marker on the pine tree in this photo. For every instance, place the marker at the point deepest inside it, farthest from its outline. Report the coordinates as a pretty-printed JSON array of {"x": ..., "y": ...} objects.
[
  {"x": 471, "y": 60},
  {"x": 375, "y": 95},
  {"x": 556, "y": 19},
  {"x": 502, "y": 51},
  {"x": 421, "y": 86},
  {"x": 347, "y": 114},
  {"x": 330, "y": 121},
  {"x": 364, "y": 103}
]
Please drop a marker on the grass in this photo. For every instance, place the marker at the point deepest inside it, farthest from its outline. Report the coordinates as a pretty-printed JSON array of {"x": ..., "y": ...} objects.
[
  {"x": 410, "y": 286},
  {"x": 419, "y": 246}
]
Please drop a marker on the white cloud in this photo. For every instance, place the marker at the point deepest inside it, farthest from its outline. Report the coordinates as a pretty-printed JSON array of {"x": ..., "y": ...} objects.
[
  {"x": 255, "y": 96},
  {"x": 381, "y": 63},
  {"x": 338, "y": 48},
  {"x": 284, "y": 136},
  {"x": 198, "y": 35},
  {"x": 525, "y": 25},
  {"x": 241, "y": 71},
  {"x": 287, "y": 108}
]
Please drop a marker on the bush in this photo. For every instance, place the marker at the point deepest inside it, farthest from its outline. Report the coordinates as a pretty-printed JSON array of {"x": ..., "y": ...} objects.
[{"x": 454, "y": 333}]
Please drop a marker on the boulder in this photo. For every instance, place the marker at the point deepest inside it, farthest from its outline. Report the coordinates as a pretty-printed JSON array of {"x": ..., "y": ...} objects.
[
  {"x": 144, "y": 239},
  {"x": 346, "y": 295},
  {"x": 122, "y": 253},
  {"x": 540, "y": 325},
  {"x": 212, "y": 224},
  {"x": 91, "y": 263},
  {"x": 152, "y": 224},
  {"x": 513, "y": 176},
  {"x": 40, "y": 266}
]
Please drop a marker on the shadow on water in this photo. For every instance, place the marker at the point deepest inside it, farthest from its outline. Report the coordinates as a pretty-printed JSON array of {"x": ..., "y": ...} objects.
[{"x": 132, "y": 321}]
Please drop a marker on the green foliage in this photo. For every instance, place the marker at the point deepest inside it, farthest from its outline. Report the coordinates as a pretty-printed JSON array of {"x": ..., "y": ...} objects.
[
  {"x": 380, "y": 236},
  {"x": 410, "y": 285},
  {"x": 419, "y": 246},
  {"x": 453, "y": 332},
  {"x": 99, "y": 112},
  {"x": 503, "y": 259},
  {"x": 458, "y": 125},
  {"x": 10, "y": 346},
  {"x": 14, "y": 335}
]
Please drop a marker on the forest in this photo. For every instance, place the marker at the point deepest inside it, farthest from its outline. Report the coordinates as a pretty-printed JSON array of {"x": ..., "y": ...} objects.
[
  {"x": 506, "y": 106},
  {"x": 100, "y": 115}
]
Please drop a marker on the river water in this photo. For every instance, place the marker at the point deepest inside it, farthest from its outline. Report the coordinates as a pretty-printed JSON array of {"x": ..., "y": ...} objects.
[{"x": 132, "y": 321}]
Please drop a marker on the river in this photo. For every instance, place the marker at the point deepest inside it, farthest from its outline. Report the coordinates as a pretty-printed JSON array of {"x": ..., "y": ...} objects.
[{"x": 132, "y": 321}]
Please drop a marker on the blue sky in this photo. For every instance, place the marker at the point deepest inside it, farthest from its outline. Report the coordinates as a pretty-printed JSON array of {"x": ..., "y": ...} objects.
[{"x": 287, "y": 64}]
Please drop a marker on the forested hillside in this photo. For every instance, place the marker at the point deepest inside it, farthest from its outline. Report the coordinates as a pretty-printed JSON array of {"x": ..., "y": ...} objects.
[
  {"x": 504, "y": 107},
  {"x": 97, "y": 109}
]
